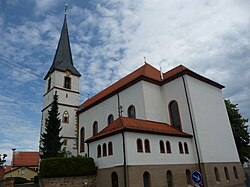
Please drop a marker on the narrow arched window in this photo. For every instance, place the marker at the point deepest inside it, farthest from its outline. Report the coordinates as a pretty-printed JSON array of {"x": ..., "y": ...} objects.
[
  {"x": 110, "y": 148},
  {"x": 235, "y": 173},
  {"x": 146, "y": 179},
  {"x": 99, "y": 151},
  {"x": 82, "y": 139},
  {"x": 186, "y": 148},
  {"x": 110, "y": 119},
  {"x": 104, "y": 150},
  {"x": 180, "y": 148},
  {"x": 131, "y": 112},
  {"x": 168, "y": 147},
  {"x": 174, "y": 115},
  {"x": 95, "y": 128},
  {"x": 114, "y": 178},
  {"x": 147, "y": 146},
  {"x": 188, "y": 177},
  {"x": 226, "y": 174},
  {"x": 49, "y": 84},
  {"x": 65, "y": 118},
  {"x": 139, "y": 145},
  {"x": 169, "y": 176},
  {"x": 217, "y": 175},
  {"x": 162, "y": 148}
]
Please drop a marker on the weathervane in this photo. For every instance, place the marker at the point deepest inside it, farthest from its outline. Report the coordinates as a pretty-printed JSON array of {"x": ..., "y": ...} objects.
[
  {"x": 145, "y": 60},
  {"x": 65, "y": 10}
]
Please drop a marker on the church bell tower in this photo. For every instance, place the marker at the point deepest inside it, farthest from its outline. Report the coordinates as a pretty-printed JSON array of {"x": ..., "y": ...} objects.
[{"x": 63, "y": 79}]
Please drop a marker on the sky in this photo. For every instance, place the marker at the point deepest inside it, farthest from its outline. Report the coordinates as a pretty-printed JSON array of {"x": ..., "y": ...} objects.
[{"x": 110, "y": 39}]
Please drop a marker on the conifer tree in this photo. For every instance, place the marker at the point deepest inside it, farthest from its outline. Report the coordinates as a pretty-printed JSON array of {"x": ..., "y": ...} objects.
[
  {"x": 240, "y": 131},
  {"x": 51, "y": 141}
]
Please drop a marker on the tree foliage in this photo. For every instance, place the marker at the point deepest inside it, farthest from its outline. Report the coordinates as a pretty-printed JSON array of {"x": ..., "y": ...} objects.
[
  {"x": 240, "y": 131},
  {"x": 51, "y": 141}
]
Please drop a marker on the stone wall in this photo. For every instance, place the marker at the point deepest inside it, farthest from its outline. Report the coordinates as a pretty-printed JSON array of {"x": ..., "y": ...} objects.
[{"x": 85, "y": 181}]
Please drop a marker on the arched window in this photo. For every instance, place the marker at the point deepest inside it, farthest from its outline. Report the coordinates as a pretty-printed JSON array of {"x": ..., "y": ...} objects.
[
  {"x": 104, "y": 150},
  {"x": 226, "y": 174},
  {"x": 217, "y": 175},
  {"x": 174, "y": 115},
  {"x": 139, "y": 145},
  {"x": 169, "y": 179},
  {"x": 168, "y": 147},
  {"x": 82, "y": 139},
  {"x": 49, "y": 84},
  {"x": 110, "y": 148},
  {"x": 162, "y": 147},
  {"x": 99, "y": 151},
  {"x": 188, "y": 176},
  {"x": 110, "y": 119},
  {"x": 147, "y": 146},
  {"x": 180, "y": 148},
  {"x": 235, "y": 173},
  {"x": 65, "y": 118},
  {"x": 95, "y": 128},
  {"x": 186, "y": 148},
  {"x": 114, "y": 178},
  {"x": 146, "y": 179},
  {"x": 131, "y": 112}
]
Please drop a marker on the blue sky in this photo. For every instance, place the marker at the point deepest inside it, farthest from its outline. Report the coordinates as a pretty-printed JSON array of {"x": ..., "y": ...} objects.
[{"x": 108, "y": 40}]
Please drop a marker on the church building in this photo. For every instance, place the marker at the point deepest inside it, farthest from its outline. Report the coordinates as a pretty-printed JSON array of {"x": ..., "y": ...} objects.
[{"x": 147, "y": 129}]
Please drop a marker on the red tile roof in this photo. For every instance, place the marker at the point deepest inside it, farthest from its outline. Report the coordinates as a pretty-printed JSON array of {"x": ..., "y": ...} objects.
[
  {"x": 147, "y": 73},
  {"x": 137, "y": 125},
  {"x": 29, "y": 159}
]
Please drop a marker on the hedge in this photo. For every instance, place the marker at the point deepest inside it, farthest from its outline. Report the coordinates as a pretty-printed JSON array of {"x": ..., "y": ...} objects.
[{"x": 67, "y": 167}]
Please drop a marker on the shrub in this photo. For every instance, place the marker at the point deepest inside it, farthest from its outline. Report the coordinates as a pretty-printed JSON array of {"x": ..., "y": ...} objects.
[
  {"x": 20, "y": 180},
  {"x": 66, "y": 167}
]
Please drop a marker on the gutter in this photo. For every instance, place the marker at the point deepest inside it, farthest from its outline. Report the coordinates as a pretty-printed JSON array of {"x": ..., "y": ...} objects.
[{"x": 192, "y": 124}]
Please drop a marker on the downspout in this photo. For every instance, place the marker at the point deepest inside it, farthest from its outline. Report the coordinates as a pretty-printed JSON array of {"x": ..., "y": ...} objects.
[
  {"x": 192, "y": 124},
  {"x": 88, "y": 148},
  {"x": 125, "y": 162},
  {"x": 123, "y": 145}
]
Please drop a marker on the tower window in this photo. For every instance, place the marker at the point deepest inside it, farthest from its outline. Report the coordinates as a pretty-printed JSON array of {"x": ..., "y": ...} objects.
[
  {"x": 174, "y": 115},
  {"x": 65, "y": 142},
  {"x": 67, "y": 82},
  {"x": 131, "y": 112},
  {"x": 65, "y": 117},
  {"x": 49, "y": 84}
]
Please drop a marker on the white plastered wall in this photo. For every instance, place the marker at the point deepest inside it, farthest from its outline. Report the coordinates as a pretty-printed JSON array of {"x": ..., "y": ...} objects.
[
  {"x": 213, "y": 130},
  {"x": 155, "y": 157},
  {"x": 110, "y": 160}
]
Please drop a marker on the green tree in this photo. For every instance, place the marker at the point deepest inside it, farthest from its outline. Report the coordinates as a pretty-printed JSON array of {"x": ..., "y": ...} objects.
[
  {"x": 51, "y": 141},
  {"x": 240, "y": 131}
]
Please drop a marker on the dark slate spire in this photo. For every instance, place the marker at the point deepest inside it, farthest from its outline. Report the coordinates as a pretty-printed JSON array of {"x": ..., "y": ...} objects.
[{"x": 63, "y": 58}]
